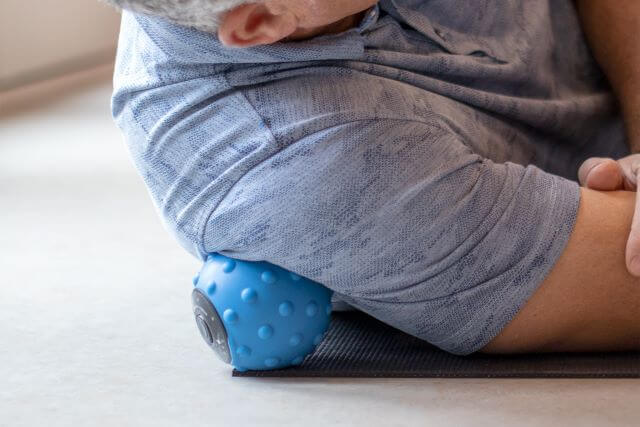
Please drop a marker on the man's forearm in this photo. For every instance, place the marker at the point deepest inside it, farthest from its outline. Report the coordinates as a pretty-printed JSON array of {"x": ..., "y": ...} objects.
[{"x": 612, "y": 29}]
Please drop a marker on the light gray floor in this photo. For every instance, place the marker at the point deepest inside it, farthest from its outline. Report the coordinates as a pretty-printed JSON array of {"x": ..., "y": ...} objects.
[{"x": 95, "y": 316}]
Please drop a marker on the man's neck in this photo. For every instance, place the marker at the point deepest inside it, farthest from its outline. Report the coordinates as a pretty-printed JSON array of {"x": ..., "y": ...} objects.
[{"x": 333, "y": 28}]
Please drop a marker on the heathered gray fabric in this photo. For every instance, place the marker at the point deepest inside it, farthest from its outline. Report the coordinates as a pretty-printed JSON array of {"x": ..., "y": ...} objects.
[{"x": 422, "y": 165}]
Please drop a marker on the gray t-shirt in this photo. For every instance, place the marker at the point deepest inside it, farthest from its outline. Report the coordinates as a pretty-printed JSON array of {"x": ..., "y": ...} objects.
[{"x": 422, "y": 165}]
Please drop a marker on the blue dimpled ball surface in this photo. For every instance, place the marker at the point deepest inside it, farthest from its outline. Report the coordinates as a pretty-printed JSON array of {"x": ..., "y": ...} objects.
[{"x": 273, "y": 317}]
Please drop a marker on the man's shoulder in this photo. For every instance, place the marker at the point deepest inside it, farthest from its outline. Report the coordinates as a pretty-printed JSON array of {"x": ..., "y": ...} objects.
[{"x": 321, "y": 95}]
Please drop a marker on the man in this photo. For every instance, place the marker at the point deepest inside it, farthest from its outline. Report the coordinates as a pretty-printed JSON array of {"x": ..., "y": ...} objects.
[{"x": 417, "y": 157}]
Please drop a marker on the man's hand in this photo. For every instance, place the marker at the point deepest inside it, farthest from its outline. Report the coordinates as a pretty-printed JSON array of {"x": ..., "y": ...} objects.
[{"x": 601, "y": 173}]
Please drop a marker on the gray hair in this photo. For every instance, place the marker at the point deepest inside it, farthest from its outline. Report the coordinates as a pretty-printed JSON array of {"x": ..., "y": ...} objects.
[{"x": 203, "y": 15}]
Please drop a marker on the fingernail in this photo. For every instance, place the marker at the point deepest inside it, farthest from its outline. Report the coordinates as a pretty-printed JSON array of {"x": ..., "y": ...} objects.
[{"x": 595, "y": 168}]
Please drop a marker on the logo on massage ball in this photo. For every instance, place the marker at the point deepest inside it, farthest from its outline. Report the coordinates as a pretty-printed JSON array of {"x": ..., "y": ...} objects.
[{"x": 256, "y": 315}]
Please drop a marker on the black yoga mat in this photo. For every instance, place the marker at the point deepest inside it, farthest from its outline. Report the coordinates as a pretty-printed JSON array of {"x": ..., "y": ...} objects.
[{"x": 358, "y": 345}]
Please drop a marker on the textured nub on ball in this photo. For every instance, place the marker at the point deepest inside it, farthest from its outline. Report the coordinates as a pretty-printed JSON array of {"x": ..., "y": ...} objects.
[
  {"x": 249, "y": 295},
  {"x": 212, "y": 288},
  {"x": 285, "y": 309},
  {"x": 267, "y": 276},
  {"x": 294, "y": 276},
  {"x": 271, "y": 362},
  {"x": 265, "y": 332},
  {"x": 228, "y": 266},
  {"x": 230, "y": 316},
  {"x": 312, "y": 309},
  {"x": 295, "y": 340},
  {"x": 244, "y": 351}
]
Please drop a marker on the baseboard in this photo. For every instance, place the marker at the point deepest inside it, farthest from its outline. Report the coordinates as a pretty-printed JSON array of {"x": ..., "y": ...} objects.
[{"x": 59, "y": 83}]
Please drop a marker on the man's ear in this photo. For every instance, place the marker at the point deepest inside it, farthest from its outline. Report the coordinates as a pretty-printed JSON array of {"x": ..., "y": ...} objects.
[{"x": 255, "y": 24}]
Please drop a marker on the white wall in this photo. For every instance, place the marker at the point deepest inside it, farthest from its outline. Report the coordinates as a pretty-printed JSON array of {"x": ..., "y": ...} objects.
[{"x": 42, "y": 38}]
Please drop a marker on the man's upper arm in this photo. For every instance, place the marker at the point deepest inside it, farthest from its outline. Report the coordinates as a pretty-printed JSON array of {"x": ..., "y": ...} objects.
[
  {"x": 589, "y": 301},
  {"x": 405, "y": 222}
]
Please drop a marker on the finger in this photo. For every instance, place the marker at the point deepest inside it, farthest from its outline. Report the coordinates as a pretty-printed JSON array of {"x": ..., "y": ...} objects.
[
  {"x": 586, "y": 167},
  {"x": 633, "y": 243},
  {"x": 602, "y": 174},
  {"x": 630, "y": 177},
  {"x": 607, "y": 175}
]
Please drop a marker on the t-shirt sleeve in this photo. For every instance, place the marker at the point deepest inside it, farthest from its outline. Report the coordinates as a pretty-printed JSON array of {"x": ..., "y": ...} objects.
[
  {"x": 189, "y": 134},
  {"x": 405, "y": 222}
]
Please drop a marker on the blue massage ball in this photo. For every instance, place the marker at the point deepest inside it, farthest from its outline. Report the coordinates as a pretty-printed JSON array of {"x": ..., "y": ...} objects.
[{"x": 256, "y": 315}]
